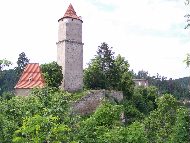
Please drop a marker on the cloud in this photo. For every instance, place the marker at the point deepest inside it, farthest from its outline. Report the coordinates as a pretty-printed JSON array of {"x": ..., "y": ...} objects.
[{"x": 149, "y": 34}]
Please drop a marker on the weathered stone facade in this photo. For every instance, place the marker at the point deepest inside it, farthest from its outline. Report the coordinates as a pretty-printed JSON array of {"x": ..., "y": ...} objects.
[
  {"x": 70, "y": 53},
  {"x": 141, "y": 82},
  {"x": 93, "y": 99},
  {"x": 22, "y": 92}
]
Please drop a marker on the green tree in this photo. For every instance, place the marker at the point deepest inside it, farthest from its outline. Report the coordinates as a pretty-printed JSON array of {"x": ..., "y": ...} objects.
[
  {"x": 94, "y": 76},
  {"x": 122, "y": 77},
  {"x": 142, "y": 75},
  {"x": 8, "y": 79},
  {"x": 180, "y": 131},
  {"x": 53, "y": 74},
  {"x": 21, "y": 63},
  {"x": 135, "y": 133},
  {"x": 38, "y": 129},
  {"x": 99, "y": 73},
  {"x": 144, "y": 99},
  {"x": 107, "y": 72},
  {"x": 187, "y": 60},
  {"x": 8, "y": 95},
  {"x": 160, "y": 122},
  {"x": 4, "y": 63},
  {"x": 44, "y": 102},
  {"x": 105, "y": 118}
]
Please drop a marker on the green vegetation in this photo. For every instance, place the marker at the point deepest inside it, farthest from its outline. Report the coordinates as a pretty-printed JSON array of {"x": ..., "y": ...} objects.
[
  {"x": 4, "y": 63},
  {"x": 45, "y": 116},
  {"x": 21, "y": 63},
  {"x": 9, "y": 77},
  {"x": 107, "y": 72},
  {"x": 52, "y": 73},
  {"x": 177, "y": 87},
  {"x": 151, "y": 114}
]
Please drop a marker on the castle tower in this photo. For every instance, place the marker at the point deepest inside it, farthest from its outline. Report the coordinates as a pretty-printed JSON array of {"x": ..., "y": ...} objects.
[{"x": 70, "y": 50}]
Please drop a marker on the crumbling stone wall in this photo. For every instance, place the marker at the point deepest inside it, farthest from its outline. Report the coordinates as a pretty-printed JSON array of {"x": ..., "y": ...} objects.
[{"x": 93, "y": 99}]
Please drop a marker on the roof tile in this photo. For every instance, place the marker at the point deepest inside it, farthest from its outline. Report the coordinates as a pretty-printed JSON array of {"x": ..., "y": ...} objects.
[
  {"x": 70, "y": 13},
  {"x": 31, "y": 77}
]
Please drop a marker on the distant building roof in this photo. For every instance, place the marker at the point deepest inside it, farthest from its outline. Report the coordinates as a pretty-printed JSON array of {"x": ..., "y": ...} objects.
[
  {"x": 31, "y": 77},
  {"x": 70, "y": 13}
]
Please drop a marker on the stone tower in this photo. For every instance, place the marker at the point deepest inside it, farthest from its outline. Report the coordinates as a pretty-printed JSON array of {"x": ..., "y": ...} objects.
[{"x": 70, "y": 50}]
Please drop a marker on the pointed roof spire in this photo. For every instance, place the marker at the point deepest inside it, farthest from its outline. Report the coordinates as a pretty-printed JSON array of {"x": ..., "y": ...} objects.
[{"x": 70, "y": 13}]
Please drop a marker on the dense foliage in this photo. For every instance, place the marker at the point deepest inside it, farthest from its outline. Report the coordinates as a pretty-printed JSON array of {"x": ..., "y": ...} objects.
[
  {"x": 4, "y": 63},
  {"x": 177, "y": 87},
  {"x": 9, "y": 77},
  {"x": 107, "y": 72},
  {"x": 46, "y": 116},
  {"x": 52, "y": 73},
  {"x": 21, "y": 63}
]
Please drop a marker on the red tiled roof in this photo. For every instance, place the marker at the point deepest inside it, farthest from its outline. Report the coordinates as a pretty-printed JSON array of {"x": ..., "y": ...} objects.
[
  {"x": 31, "y": 77},
  {"x": 70, "y": 13}
]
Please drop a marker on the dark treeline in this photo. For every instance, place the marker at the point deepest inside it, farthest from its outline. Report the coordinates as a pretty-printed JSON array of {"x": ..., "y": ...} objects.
[
  {"x": 9, "y": 77},
  {"x": 177, "y": 87}
]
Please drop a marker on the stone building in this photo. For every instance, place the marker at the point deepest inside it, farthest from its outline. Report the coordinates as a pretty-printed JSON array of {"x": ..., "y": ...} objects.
[
  {"x": 70, "y": 50},
  {"x": 31, "y": 78},
  {"x": 141, "y": 82}
]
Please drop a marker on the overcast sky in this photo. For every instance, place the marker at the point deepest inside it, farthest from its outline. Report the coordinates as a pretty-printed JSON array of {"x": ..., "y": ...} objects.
[{"x": 150, "y": 34}]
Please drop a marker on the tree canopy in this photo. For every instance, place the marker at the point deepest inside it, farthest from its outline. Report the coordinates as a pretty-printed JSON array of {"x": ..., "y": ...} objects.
[
  {"x": 4, "y": 63},
  {"x": 46, "y": 116},
  {"x": 52, "y": 73},
  {"x": 21, "y": 63},
  {"x": 107, "y": 72}
]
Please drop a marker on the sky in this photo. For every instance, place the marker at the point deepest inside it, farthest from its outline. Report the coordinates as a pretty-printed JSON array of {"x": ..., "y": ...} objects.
[{"x": 150, "y": 34}]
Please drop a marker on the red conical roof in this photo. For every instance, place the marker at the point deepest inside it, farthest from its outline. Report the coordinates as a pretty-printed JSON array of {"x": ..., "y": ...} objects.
[{"x": 70, "y": 13}]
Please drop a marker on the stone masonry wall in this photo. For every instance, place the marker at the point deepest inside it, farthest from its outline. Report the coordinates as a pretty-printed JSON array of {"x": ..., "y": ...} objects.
[
  {"x": 22, "y": 92},
  {"x": 70, "y": 53},
  {"x": 93, "y": 99}
]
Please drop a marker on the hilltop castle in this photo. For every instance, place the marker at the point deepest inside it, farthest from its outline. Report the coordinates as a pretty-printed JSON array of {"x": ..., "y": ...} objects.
[
  {"x": 69, "y": 56},
  {"x": 70, "y": 50}
]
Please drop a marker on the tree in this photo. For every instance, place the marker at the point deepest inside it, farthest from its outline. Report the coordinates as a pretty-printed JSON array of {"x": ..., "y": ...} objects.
[
  {"x": 107, "y": 72},
  {"x": 187, "y": 60},
  {"x": 21, "y": 63},
  {"x": 4, "y": 63},
  {"x": 27, "y": 113},
  {"x": 105, "y": 118},
  {"x": 144, "y": 99},
  {"x": 160, "y": 121},
  {"x": 142, "y": 75},
  {"x": 8, "y": 79},
  {"x": 53, "y": 74},
  {"x": 122, "y": 77},
  {"x": 99, "y": 73},
  {"x": 41, "y": 129},
  {"x": 6, "y": 76},
  {"x": 180, "y": 131},
  {"x": 93, "y": 76}
]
